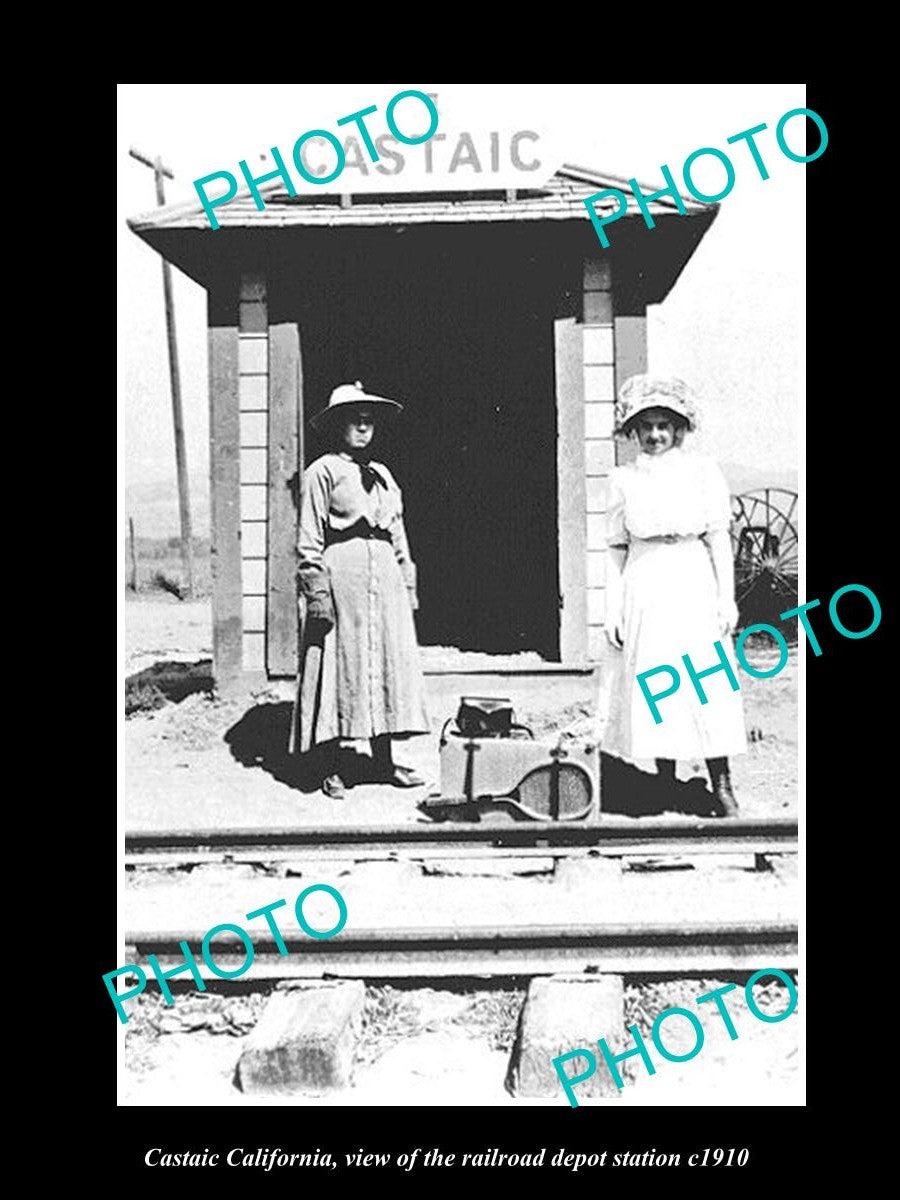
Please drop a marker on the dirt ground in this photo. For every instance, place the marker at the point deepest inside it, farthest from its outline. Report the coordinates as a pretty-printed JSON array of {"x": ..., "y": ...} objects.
[
  {"x": 426, "y": 1047},
  {"x": 208, "y": 761}
]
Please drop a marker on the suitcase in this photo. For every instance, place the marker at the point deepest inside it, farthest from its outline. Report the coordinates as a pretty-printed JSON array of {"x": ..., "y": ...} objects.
[{"x": 544, "y": 780}]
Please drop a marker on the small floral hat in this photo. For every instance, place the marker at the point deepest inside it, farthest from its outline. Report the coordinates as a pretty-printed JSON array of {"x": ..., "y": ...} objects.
[{"x": 640, "y": 392}]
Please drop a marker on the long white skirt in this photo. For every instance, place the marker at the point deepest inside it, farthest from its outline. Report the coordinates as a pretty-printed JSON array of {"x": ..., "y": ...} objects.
[{"x": 670, "y": 610}]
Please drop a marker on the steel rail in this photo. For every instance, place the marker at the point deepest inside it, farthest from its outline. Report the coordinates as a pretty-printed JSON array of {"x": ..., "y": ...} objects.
[
  {"x": 638, "y": 947},
  {"x": 614, "y": 836}
]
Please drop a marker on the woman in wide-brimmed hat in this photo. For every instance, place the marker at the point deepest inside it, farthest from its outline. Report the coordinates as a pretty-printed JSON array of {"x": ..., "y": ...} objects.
[
  {"x": 670, "y": 589},
  {"x": 358, "y": 584}
]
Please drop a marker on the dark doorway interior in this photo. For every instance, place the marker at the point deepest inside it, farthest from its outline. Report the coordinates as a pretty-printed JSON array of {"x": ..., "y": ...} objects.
[{"x": 456, "y": 324}]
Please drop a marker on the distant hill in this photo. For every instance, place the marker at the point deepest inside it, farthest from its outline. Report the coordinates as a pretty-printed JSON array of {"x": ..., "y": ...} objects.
[
  {"x": 154, "y": 507},
  {"x": 749, "y": 479}
]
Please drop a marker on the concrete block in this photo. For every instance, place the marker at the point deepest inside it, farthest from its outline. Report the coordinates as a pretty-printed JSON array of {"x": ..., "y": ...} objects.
[
  {"x": 254, "y": 429},
  {"x": 596, "y": 642},
  {"x": 253, "y": 574},
  {"x": 562, "y": 1013},
  {"x": 784, "y": 866},
  {"x": 599, "y": 386},
  {"x": 599, "y": 418},
  {"x": 305, "y": 1040},
  {"x": 598, "y": 308},
  {"x": 596, "y": 605},
  {"x": 253, "y": 393},
  {"x": 253, "y": 354},
  {"x": 597, "y": 493},
  {"x": 254, "y": 498},
  {"x": 501, "y": 868},
  {"x": 381, "y": 878},
  {"x": 254, "y": 465},
  {"x": 253, "y": 317},
  {"x": 597, "y": 274},
  {"x": 253, "y": 651},
  {"x": 588, "y": 874},
  {"x": 596, "y": 532},
  {"x": 253, "y": 609},
  {"x": 253, "y": 539},
  {"x": 599, "y": 456},
  {"x": 596, "y": 568},
  {"x": 598, "y": 344}
]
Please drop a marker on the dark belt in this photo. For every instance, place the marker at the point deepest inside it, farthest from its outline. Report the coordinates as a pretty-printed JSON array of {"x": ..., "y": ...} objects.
[{"x": 362, "y": 529}]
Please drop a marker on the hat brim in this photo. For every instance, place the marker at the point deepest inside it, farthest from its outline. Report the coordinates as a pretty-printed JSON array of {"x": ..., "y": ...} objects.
[
  {"x": 382, "y": 407},
  {"x": 627, "y": 426}
]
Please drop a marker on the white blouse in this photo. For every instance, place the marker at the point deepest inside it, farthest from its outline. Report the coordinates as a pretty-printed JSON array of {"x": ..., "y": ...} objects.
[{"x": 678, "y": 493}]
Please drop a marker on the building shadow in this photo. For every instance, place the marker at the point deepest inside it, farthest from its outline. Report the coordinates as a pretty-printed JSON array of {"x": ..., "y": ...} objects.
[{"x": 260, "y": 739}]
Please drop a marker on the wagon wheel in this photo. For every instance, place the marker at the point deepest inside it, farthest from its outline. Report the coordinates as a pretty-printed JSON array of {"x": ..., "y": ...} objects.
[{"x": 764, "y": 543}]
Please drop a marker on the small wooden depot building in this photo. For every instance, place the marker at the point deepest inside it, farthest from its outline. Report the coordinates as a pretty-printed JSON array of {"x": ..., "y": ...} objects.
[{"x": 502, "y": 326}]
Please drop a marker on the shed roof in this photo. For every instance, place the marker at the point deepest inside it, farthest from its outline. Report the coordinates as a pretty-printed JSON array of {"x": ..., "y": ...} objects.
[
  {"x": 648, "y": 262},
  {"x": 559, "y": 199}
]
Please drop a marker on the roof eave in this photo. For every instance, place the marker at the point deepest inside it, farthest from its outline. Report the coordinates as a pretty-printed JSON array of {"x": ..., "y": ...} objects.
[{"x": 655, "y": 258}]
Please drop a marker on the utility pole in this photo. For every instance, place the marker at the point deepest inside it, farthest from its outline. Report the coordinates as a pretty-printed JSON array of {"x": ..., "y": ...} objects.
[{"x": 184, "y": 501}]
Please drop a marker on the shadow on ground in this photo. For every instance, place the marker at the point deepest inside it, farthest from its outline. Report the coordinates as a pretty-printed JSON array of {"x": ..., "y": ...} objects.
[
  {"x": 630, "y": 792},
  {"x": 625, "y": 791},
  {"x": 166, "y": 682},
  {"x": 260, "y": 739}
]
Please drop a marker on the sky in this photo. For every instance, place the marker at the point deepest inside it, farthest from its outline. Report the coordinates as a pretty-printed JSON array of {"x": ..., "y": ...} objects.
[{"x": 733, "y": 325}]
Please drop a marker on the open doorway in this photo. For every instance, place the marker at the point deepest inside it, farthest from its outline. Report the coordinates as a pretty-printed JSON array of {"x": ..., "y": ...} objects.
[{"x": 457, "y": 324}]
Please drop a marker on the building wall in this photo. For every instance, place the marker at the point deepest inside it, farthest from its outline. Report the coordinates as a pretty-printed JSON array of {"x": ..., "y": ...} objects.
[{"x": 250, "y": 586}]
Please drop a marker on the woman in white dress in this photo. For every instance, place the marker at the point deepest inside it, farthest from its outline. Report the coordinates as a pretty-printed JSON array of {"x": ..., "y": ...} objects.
[{"x": 670, "y": 591}]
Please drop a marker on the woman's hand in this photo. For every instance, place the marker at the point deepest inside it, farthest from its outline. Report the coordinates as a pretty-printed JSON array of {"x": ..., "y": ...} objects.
[
  {"x": 319, "y": 608},
  {"x": 614, "y": 631},
  {"x": 728, "y": 616}
]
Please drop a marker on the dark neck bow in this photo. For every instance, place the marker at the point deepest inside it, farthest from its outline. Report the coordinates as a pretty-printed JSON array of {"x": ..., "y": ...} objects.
[{"x": 370, "y": 476}]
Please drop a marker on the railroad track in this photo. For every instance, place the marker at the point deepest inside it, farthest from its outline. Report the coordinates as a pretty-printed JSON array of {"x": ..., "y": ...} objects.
[
  {"x": 609, "y": 836},
  {"x": 632, "y": 948}
]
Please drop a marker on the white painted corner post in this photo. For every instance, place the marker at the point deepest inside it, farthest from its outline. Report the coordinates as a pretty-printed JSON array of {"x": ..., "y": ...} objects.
[
  {"x": 599, "y": 370},
  {"x": 570, "y": 482},
  {"x": 253, "y": 394}
]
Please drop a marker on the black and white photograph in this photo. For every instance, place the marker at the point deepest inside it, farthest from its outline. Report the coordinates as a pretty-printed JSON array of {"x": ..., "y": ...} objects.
[{"x": 463, "y": 620}]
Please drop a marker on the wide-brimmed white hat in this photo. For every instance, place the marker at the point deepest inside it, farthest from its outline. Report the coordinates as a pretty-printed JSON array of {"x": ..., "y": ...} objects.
[
  {"x": 353, "y": 395},
  {"x": 641, "y": 392}
]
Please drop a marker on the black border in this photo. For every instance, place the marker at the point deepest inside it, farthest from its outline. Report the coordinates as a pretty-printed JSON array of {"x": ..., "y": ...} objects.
[{"x": 846, "y": 532}]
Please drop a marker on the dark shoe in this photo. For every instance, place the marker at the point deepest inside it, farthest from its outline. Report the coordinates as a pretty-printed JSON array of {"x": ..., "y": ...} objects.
[
  {"x": 405, "y": 777},
  {"x": 334, "y": 787}
]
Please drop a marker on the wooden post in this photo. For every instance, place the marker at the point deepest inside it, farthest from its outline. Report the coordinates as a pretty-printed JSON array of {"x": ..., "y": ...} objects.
[
  {"x": 184, "y": 501},
  {"x": 133, "y": 583},
  {"x": 285, "y": 463}
]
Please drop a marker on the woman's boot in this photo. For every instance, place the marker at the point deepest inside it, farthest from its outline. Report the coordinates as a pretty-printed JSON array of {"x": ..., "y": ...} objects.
[
  {"x": 341, "y": 774},
  {"x": 386, "y": 770},
  {"x": 720, "y": 778}
]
